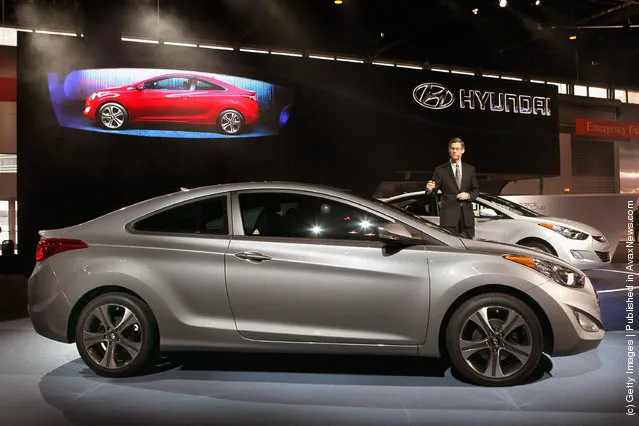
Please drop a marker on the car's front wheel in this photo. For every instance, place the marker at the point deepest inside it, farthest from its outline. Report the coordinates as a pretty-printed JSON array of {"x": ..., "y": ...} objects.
[
  {"x": 230, "y": 122},
  {"x": 112, "y": 116},
  {"x": 539, "y": 245},
  {"x": 116, "y": 335},
  {"x": 494, "y": 339}
]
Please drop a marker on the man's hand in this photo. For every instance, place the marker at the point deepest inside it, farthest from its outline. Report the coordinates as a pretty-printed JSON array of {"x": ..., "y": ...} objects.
[
  {"x": 430, "y": 185},
  {"x": 463, "y": 196}
]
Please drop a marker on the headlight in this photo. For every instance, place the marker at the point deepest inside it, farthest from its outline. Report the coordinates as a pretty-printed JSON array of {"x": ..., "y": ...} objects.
[
  {"x": 567, "y": 277},
  {"x": 573, "y": 234}
]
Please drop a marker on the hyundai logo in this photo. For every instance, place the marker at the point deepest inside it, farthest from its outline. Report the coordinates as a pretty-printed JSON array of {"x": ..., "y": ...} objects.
[{"x": 433, "y": 96}]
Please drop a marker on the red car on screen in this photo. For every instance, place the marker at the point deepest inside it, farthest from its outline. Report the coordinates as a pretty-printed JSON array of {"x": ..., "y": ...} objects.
[{"x": 175, "y": 98}]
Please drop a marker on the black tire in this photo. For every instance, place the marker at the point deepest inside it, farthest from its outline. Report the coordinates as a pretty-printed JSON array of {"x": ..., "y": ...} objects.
[
  {"x": 230, "y": 122},
  {"x": 518, "y": 349},
  {"x": 539, "y": 246},
  {"x": 112, "y": 116},
  {"x": 131, "y": 346}
]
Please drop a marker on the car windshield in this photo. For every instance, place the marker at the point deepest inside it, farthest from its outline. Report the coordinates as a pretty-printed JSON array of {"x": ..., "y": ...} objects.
[
  {"x": 510, "y": 206},
  {"x": 403, "y": 212}
]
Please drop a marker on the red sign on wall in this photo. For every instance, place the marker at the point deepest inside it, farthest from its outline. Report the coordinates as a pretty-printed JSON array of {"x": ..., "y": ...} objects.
[
  {"x": 8, "y": 89},
  {"x": 606, "y": 129}
]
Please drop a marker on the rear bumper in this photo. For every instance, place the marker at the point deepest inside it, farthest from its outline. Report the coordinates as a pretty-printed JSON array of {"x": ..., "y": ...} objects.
[
  {"x": 251, "y": 114},
  {"x": 48, "y": 307}
]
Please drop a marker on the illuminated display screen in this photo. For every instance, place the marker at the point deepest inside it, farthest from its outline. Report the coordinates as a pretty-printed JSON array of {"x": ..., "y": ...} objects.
[{"x": 168, "y": 103}]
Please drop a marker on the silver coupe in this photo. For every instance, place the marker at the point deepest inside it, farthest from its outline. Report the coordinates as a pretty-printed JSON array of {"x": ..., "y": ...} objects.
[{"x": 303, "y": 268}]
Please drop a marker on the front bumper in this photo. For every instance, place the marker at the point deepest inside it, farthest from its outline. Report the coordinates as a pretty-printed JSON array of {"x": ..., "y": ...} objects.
[
  {"x": 48, "y": 307},
  {"x": 561, "y": 305},
  {"x": 584, "y": 255}
]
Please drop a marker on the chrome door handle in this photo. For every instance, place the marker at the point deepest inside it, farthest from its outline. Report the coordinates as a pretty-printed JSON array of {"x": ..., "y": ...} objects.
[{"x": 253, "y": 256}]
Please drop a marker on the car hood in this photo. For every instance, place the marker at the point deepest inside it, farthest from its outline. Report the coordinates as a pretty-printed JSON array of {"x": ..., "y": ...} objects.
[
  {"x": 495, "y": 247},
  {"x": 565, "y": 222}
]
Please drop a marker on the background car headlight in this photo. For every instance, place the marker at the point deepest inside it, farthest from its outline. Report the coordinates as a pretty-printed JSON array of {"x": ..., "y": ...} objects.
[
  {"x": 567, "y": 277},
  {"x": 573, "y": 234}
]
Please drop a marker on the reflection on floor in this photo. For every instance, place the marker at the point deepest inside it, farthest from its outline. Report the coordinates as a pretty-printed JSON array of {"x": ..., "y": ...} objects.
[
  {"x": 171, "y": 130},
  {"x": 44, "y": 383},
  {"x": 610, "y": 283}
]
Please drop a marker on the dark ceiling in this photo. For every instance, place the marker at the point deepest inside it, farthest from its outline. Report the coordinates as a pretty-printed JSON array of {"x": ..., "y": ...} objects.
[{"x": 520, "y": 38}]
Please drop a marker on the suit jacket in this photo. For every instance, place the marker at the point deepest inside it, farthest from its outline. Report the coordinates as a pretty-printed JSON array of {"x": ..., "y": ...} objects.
[{"x": 450, "y": 208}]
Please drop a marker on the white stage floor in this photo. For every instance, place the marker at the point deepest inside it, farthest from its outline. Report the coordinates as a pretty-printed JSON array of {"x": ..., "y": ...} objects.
[{"x": 44, "y": 383}]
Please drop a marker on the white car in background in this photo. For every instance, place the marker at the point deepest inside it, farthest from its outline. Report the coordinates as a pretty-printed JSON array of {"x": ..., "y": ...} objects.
[{"x": 498, "y": 219}]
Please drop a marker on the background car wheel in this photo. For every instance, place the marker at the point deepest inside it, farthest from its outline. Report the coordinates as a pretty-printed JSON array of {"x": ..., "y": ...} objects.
[
  {"x": 230, "y": 122},
  {"x": 494, "y": 340},
  {"x": 539, "y": 245},
  {"x": 112, "y": 116},
  {"x": 116, "y": 335}
]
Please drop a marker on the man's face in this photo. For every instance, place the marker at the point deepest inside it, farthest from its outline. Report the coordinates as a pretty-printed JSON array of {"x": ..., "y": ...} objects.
[{"x": 455, "y": 150}]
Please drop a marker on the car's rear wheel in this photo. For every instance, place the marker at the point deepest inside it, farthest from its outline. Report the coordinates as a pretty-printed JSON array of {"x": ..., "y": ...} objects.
[
  {"x": 230, "y": 121},
  {"x": 494, "y": 339},
  {"x": 116, "y": 335},
  {"x": 112, "y": 116}
]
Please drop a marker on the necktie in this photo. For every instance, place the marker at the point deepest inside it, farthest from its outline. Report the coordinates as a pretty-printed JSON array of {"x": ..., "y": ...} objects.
[{"x": 458, "y": 175}]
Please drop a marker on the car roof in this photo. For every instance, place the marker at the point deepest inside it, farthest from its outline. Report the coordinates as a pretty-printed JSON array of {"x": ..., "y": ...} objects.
[
  {"x": 411, "y": 194},
  {"x": 186, "y": 194},
  {"x": 184, "y": 74}
]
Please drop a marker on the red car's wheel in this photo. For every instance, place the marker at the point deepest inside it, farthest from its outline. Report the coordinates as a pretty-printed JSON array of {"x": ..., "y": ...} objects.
[
  {"x": 112, "y": 116},
  {"x": 230, "y": 121}
]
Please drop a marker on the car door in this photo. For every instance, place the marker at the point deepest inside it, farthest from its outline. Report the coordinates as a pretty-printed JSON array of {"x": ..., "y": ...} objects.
[
  {"x": 182, "y": 248},
  {"x": 166, "y": 99},
  {"x": 306, "y": 268},
  {"x": 490, "y": 223}
]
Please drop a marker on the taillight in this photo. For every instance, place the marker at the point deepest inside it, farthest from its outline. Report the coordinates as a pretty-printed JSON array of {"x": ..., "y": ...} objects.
[{"x": 50, "y": 246}]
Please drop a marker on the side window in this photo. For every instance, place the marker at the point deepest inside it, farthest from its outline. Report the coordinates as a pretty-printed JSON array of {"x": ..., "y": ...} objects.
[
  {"x": 421, "y": 206},
  {"x": 303, "y": 216},
  {"x": 173, "y": 83},
  {"x": 206, "y": 85},
  {"x": 207, "y": 216}
]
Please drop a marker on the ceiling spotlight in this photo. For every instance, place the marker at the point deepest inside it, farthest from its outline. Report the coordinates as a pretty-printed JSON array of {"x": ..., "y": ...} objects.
[
  {"x": 537, "y": 2},
  {"x": 338, "y": 1},
  {"x": 475, "y": 11},
  {"x": 503, "y": 3},
  {"x": 573, "y": 37}
]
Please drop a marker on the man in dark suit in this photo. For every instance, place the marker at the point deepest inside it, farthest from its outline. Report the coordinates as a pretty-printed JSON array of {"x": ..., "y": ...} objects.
[{"x": 458, "y": 184}]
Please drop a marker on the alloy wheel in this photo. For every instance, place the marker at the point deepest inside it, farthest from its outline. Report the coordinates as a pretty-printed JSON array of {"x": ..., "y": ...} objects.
[
  {"x": 496, "y": 342},
  {"x": 231, "y": 122},
  {"x": 112, "y": 116},
  {"x": 112, "y": 336}
]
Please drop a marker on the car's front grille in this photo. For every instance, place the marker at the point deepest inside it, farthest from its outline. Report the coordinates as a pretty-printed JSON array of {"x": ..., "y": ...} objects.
[
  {"x": 599, "y": 238},
  {"x": 603, "y": 255}
]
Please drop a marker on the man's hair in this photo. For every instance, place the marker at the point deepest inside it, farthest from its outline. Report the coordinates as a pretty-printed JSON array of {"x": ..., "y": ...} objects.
[{"x": 457, "y": 140}]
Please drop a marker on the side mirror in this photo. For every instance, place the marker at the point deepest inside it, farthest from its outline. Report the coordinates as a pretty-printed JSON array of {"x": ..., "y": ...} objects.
[
  {"x": 488, "y": 212},
  {"x": 396, "y": 233},
  {"x": 140, "y": 87}
]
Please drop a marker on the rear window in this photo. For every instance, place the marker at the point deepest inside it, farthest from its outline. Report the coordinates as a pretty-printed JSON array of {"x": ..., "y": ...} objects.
[{"x": 207, "y": 216}]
